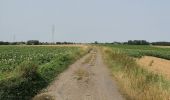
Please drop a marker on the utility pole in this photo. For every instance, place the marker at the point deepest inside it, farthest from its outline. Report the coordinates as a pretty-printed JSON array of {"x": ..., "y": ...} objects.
[{"x": 53, "y": 31}]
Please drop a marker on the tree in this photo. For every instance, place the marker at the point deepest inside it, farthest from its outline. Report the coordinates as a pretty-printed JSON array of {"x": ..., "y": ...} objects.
[
  {"x": 95, "y": 42},
  {"x": 33, "y": 42},
  {"x": 138, "y": 42},
  {"x": 161, "y": 43},
  {"x": 4, "y": 43}
]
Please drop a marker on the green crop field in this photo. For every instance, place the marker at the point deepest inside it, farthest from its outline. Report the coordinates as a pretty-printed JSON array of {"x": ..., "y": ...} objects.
[
  {"x": 143, "y": 50},
  {"x": 25, "y": 70}
]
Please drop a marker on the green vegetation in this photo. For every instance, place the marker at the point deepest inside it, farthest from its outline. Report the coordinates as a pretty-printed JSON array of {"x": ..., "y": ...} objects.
[
  {"x": 136, "y": 83},
  {"x": 146, "y": 50},
  {"x": 25, "y": 70}
]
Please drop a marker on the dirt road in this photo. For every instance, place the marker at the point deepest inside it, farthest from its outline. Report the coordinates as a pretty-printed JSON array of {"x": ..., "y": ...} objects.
[{"x": 86, "y": 79}]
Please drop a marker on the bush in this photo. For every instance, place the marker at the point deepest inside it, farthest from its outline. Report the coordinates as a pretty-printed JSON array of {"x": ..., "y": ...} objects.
[{"x": 24, "y": 84}]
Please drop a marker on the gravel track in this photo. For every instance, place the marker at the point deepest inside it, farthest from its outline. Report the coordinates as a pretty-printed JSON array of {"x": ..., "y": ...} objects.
[{"x": 90, "y": 80}]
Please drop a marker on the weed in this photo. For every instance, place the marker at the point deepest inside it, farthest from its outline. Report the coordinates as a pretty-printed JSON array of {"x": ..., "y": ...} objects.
[{"x": 151, "y": 62}]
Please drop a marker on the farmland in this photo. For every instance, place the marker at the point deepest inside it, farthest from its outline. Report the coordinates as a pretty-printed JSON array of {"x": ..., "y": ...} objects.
[
  {"x": 137, "y": 83},
  {"x": 25, "y": 70},
  {"x": 143, "y": 50},
  {"x": 28, "y": 71}
]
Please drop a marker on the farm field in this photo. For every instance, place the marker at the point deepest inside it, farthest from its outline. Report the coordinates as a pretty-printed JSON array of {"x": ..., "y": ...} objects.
[
  {"x": 136, "y": 81},
  {"x": 84, "y": 50},
  {"x": 106, "y": 72},
  {"x": 143, "y": 50},
  {"x": 25, "y": 70}
]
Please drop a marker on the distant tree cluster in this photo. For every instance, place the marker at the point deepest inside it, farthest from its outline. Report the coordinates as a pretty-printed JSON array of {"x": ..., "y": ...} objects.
[
  {"x": 56, "y": 43},
  {"x": 95, "y": 42},
  {"x": 4, "y": 43},
  {"x": 138, "y": 42},
  {"x": 161, "y": 43},
  {"x": 65, "y": 43},
  {"x": 11, "y": 43},
  {"x": 34, "y": 42},
  {"x": 130, "y": 42}
]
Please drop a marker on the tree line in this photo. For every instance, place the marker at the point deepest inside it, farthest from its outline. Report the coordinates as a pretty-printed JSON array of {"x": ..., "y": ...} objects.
[
  {"x": 144, "y": 42},
  {"x": 140, "y": 42},
  {"x": 34, "y": 42},
  {"x": 130, "y": 42}
]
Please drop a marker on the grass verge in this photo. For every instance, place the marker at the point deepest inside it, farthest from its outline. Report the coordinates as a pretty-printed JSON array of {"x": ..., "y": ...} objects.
[{"x": 136, "y": 83}]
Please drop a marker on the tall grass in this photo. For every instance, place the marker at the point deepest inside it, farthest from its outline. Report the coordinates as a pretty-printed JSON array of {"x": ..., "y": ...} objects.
[{"x": 135, "y": 82}]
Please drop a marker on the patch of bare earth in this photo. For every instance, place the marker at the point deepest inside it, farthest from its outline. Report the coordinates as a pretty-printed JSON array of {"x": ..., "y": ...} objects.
[
  {"x": 86, "y": 79},
  {"x": 162, "y": 46},
  {"x": 157, "y": 65}
]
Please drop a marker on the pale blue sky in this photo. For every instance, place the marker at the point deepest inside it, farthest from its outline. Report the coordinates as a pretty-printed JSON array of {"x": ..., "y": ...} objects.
[{"x": 85, "y": 20}]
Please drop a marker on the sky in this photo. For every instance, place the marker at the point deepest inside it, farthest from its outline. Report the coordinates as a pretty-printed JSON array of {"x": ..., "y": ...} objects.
[{"x": 85, "y": 20}]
